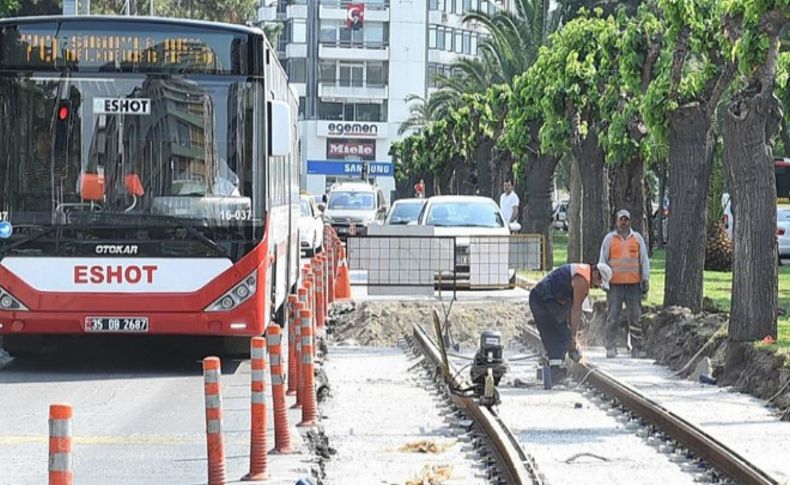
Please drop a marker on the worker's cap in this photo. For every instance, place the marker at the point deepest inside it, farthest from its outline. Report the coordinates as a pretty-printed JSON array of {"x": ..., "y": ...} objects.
[
  {"x": 606, "y": 274},
  {"x": 624, "y": 213}
]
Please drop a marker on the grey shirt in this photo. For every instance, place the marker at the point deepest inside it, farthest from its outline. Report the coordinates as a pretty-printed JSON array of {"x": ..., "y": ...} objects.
[{"x": 644, "y": 261}]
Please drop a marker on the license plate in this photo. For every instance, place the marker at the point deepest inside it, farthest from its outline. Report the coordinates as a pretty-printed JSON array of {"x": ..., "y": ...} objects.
[{"x": 116, "y": 324}]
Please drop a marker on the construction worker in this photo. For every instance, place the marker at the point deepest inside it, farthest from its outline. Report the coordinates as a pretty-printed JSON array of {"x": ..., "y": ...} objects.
[
  {"x": 625, "y": 252},
  {"x": 556, "y": 304}
]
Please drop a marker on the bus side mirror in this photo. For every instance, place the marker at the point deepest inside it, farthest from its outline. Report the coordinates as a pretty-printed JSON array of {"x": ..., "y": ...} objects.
[
  {"x": 280, "y": 129},
  {"x": 92, "y": 187}
]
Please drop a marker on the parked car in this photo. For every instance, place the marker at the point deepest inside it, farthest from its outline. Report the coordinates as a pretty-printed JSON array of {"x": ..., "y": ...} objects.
[
  {"x": 354, "y": 206},
  {"x": 311, "y": 226},
  {"x": 463, "y": 217},
  {"x": 726, "y": 205},
  {"x": 404, "y": 211},
  {"x": 559, "y": 216},
  {"x": 783, "y": 231}
]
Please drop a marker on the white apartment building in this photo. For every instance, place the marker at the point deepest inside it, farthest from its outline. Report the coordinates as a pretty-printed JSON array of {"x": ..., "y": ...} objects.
[{"x": 353, "y": 78}]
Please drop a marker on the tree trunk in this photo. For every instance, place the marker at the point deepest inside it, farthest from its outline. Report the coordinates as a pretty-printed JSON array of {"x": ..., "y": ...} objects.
[
  {"x": 627, "y": 191},
  {"x": 575, "y": 216},
  {"x": 690, "y": 157},
  {"x": 662, "y": 194},
  {"x": 750, "y": 123},
  {"x": 536, "y": 200},
  {"x": 589, "y": 157},
  {"x": 485, "y": 168}
]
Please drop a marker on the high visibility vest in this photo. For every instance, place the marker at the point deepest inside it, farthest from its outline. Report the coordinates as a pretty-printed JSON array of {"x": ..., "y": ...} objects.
[
  {"x": 624, "y": 260},
  {"x": 558, "y": 285}
]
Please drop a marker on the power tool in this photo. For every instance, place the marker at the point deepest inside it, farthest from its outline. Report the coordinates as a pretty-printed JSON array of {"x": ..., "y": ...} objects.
[{"x": 488, "y": 367}]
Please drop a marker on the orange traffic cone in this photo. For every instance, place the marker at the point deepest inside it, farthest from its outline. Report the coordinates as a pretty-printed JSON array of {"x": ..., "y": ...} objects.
[{"x": 342, "y": 282}]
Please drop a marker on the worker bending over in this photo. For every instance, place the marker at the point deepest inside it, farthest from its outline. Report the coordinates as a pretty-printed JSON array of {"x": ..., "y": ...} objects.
[{"x": 556, "y": 304}]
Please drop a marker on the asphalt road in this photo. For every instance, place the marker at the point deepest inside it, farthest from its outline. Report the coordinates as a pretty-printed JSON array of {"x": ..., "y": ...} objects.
[{"x": 138, "y": 415}]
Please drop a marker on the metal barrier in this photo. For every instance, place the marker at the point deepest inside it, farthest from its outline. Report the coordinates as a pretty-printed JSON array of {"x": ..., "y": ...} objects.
[{"x": 417, "y": 264}]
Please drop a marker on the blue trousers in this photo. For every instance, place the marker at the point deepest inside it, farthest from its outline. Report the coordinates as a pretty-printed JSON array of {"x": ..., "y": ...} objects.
[{"x": 551, "y": 318}]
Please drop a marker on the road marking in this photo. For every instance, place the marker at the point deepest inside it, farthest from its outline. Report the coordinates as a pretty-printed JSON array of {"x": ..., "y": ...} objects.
[{"x": 136, "y": 439}]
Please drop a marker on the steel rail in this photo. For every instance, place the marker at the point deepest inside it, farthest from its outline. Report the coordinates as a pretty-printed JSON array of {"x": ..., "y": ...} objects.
[
  {"x": 515, "y": 464},
  {"x": 698, "y": 441}
]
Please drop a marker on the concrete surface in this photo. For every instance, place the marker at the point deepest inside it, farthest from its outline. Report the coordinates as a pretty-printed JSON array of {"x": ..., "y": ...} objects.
[
  {"x": 378, "y": 406},
  {"x": 745, "y": 424}
]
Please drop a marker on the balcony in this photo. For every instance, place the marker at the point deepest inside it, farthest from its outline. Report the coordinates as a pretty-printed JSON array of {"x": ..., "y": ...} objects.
[
  {"x": 348, "y": 50},
  {"x": 369, "y": 92},
  {"x": 373, "y": 13}
]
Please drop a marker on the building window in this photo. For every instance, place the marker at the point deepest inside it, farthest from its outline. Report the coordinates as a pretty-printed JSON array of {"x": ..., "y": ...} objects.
[
  {"x": 328, "y": 72},
  {"x": 350, "y": 37},
  {"x": 448, "y": 40},
  {"x": 374, "y": 34},
  {"x": 328, "y": 31},
  {"x": 330, "y": 111},
  {"x": 474, "y": 45},
  {"x": 298, "y": 31},
  {"x": 367, "y": 112},
  {"x": 301, "y": 107},
  {"x": 459, "y": 7},
  {"x": 467, "y": 6},
  {"x": 475, "y": 5},
  {"x": 376, "y": 75},
  {"x": 432, "y": 37},
  {"x": 297, "y": 70},
  {"x": 467, "y": 43},
  {"x": 458, "y": 41},
  {"x": 351, "y": 75},
  {"x": 433, "y": 4}
]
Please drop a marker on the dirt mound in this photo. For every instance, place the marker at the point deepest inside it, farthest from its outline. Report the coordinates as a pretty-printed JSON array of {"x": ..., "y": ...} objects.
[
  {"x": 679, "y": 339},
  {"x": 380, "y": 324}
]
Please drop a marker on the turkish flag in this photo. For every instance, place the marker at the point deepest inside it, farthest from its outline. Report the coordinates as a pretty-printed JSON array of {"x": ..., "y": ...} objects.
[{"x": 355, "y": 16}]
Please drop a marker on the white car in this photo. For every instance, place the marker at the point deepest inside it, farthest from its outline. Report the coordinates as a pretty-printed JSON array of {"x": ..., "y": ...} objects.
[
  {"x": 464, "y": 217},
  {"x": 783, "y": 231},
  {"x": 354, "y": 206},
  {"x": 404, "y": 211},
  {"x": 311, "y": 226}
]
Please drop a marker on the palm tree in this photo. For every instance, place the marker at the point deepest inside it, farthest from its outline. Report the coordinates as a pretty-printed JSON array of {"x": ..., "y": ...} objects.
[{"x": 514, "y": 38}]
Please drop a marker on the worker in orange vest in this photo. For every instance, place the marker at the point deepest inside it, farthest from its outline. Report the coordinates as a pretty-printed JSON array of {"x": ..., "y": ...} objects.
[
  {"x": 624, "y": 250},
  {"x": 556, "y": 305}
]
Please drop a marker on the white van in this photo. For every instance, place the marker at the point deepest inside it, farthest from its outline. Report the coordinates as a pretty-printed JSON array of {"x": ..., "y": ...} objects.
[{"x": 353, "y": 206}]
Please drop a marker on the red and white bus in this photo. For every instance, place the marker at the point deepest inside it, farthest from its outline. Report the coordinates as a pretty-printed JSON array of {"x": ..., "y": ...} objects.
[{"x": 148, "y": 180}]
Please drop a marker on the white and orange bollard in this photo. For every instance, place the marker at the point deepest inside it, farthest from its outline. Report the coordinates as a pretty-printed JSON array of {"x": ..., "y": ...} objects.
[
  {"x": 309, "y": 398},
  {"x": 330, "y": 274},
  {"x": 60, "y": 444},
  {"x": 258, "y": 447},
  {"x": 318, "y": 271},
  {"x": 214, "y": 435},
  {"x": 282, "y": 438},
  {"x": 293, "y": 374},
  {"x": 302, "y": 305}
]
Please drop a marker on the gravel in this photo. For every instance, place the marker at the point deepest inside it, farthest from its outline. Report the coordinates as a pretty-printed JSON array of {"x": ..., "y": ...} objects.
[{"x": 382, "y": 415}]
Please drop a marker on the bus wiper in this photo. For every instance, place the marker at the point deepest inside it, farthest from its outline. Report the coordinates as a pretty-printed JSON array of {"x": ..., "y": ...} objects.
[
  {"x": 22, "y": 242},
  {"x": 174, "y": 221}
]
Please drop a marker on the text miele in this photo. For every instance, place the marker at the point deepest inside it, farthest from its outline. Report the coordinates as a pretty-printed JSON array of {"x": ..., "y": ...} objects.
[
  {"x": 97, "y": 274},
  {"x": 126, "y": 249}
]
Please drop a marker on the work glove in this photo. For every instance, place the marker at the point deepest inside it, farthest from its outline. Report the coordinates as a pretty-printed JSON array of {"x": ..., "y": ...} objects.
[{"x": 645, "y": 287}]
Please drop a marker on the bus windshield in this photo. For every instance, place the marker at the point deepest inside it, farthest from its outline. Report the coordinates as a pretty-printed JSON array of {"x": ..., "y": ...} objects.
[{"x": 109, "y": 149}]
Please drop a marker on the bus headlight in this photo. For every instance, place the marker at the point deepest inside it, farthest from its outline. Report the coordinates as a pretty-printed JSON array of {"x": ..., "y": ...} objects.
[
  {"x": 9, "y": 303},
  {"x": 236, "y": 296}
]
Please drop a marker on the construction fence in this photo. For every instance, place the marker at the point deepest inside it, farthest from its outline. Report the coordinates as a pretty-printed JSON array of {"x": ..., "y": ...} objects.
[{"x": 402, "y": 264}]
